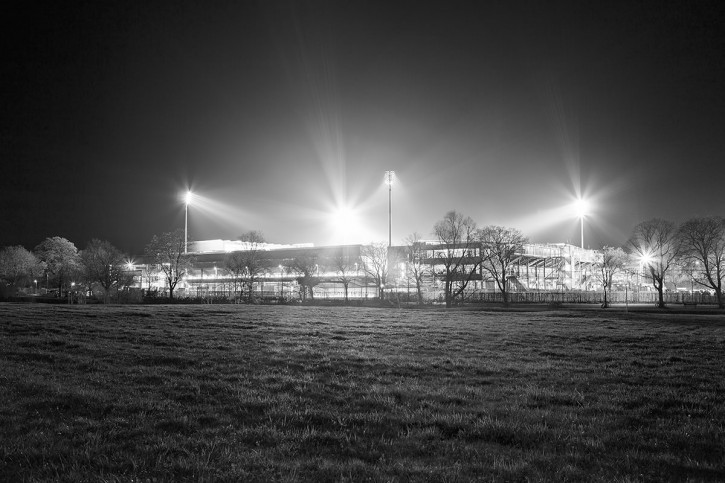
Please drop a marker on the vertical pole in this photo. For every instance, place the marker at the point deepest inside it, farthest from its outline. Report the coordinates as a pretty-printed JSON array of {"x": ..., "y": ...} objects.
[
  {"x": 186, "y": 227},
  {"x": 581, "y": 256},
  {"x": 390, "y": 209}
]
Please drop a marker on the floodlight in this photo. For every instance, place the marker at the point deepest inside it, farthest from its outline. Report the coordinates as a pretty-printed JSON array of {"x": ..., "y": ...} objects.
[
  {"x": 389, "y": 178},
  {"x": 645, "y": 259},
  {"x": 582, "y": 207},
  {"x": 187, "y": 198}
]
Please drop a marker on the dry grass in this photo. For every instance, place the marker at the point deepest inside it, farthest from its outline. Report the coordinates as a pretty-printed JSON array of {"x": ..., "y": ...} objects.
[{"x": 283, "y": 393}]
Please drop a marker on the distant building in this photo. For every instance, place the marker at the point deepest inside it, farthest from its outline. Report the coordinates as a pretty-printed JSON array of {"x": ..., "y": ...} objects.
[{"x": 552, "y": 267}]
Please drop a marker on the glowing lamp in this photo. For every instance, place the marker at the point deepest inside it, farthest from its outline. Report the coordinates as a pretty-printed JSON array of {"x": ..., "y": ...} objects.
[
  {"x": 582, "y": 207},
  {"x": 645, "y": 259},
  {"x": 389, "y": 178}
]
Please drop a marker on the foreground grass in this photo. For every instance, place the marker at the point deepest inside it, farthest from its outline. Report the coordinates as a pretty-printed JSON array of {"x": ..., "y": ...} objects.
[{"x": 304, "y": 393}]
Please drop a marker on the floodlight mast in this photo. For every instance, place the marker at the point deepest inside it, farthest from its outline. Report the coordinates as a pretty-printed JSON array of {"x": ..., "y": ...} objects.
[
  {"x": 389, "y": 176},
  {"x": 582, "y": 207},
  {"x": 187, "y": 199}
]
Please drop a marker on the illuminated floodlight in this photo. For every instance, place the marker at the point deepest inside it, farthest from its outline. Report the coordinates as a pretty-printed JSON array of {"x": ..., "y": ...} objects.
[
  {"x": 582, "y": 207},
  {"x": 645, "y": 259},
  {"x": 343, "y": 219},
  {"x": 188, "y": 197},
  {"x": 389, "y": 178},
  {"x": 347, "y": 226}
]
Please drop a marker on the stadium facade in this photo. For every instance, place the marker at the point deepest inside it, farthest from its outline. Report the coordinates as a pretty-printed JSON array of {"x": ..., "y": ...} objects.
[{"x": 540, "y": 268}]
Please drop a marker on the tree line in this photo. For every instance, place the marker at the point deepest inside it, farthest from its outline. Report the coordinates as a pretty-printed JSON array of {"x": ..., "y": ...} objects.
[
  {"x": 461, "y": 252},
  {"x": 57, "y": 263}
]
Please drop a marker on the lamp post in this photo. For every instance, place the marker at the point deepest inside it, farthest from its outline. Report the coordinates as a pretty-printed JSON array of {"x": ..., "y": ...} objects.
[
  {"x": 187, "y": 199},
  {"x": 389, "y": 177}
]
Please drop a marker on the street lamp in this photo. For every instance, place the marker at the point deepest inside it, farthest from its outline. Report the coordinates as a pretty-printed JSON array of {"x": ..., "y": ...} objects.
[
  {"x": 187, "y": 199},
  {"x": 389, "y": 178}
]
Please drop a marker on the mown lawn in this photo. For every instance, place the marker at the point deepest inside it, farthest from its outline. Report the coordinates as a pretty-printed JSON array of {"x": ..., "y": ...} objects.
[{"x": 260, "y": 393}]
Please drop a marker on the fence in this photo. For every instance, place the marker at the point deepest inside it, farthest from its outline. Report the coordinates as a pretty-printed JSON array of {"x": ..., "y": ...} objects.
[
  {"x": 291, "y": 292},
  {"x": 643, "y": 297}
]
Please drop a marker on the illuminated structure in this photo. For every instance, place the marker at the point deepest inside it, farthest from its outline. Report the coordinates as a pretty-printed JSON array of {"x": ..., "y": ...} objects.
[
  {"x": 551, "y": 268},
  {"x": 541, "y": 273}
]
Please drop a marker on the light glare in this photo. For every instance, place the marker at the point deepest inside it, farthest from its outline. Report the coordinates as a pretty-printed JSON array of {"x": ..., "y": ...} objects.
[
  {"x": 582, "y": 207},
  {"x": 347, "y": 227},
  {"x": 645, "y": 259}
]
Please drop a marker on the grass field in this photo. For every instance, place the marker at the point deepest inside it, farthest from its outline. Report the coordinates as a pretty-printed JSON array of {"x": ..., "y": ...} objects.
[{"x": 260, "y": 393}]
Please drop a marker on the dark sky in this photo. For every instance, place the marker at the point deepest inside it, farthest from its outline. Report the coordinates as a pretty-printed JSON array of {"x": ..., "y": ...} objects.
[{"x": 280, "y": 114}]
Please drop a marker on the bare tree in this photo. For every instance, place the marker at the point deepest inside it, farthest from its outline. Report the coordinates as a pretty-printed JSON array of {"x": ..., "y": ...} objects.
[
  {"x": 499, "y": 247},
  {"x": 103, "y": 264},
  {"x": 61, "y": 259},
  {"x": 457, "y": 253},
  {"x": 235, "y": 264},
  {"x": 306, "y": 269},
  {"x": 702, "y": 242},
  {"x": 375, "y": 264},
  {"x": 167, "y": 251},
  {"x": 416, "y": 267},
  {"x": 656, "y": 245},
  {"x": 612, "y": 261},
  {"x": 249, "y": 264},
  {"x": 345, "y": 266}
]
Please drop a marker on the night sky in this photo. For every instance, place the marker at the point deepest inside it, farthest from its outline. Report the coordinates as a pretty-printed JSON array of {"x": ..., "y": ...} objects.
[{"x": 280, "y": 115}]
